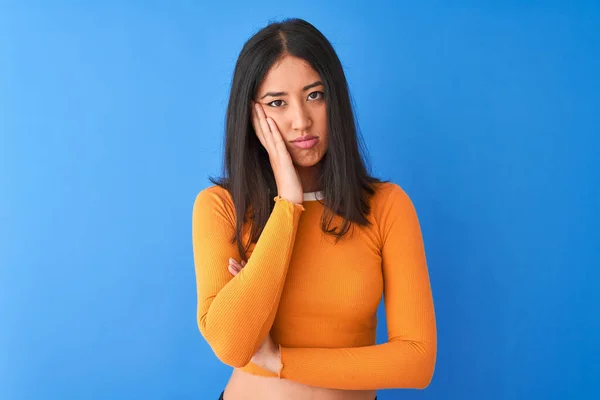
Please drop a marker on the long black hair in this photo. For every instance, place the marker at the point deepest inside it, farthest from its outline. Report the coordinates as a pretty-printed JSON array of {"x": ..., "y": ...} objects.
[{"x": 247, "y": 174}]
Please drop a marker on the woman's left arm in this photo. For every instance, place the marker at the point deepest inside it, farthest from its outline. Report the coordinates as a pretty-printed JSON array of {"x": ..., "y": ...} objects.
[{"x": 408, "y": 359}]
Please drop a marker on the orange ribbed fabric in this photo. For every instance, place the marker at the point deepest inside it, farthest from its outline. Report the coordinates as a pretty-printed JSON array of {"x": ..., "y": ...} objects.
[{"x": 319, "y": 299}]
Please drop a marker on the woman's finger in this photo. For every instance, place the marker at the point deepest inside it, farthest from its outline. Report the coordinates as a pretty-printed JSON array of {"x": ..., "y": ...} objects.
[
  {"x": 232, "y": 270},
  {"x": 235, "y": 262},
  {"x": 256, "y": 125},
  {"x": 256, "y": 119},
  {"x": 264, "y": 125},
  {"x": 277, "y": 138},
  {"x": 236, "y": 265}
]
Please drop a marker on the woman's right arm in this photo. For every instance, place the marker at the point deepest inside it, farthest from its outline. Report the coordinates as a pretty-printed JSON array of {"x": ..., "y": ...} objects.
[{"x": 235, "y": 314}]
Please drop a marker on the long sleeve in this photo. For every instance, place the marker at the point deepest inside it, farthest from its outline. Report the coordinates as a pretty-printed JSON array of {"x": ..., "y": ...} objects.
[
  {"x": 235, "y": 314},
  {"x": 407, "y": 360}
]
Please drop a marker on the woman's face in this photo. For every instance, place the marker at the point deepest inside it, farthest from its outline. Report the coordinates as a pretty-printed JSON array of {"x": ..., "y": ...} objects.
[{"x": 293, "y": 95}]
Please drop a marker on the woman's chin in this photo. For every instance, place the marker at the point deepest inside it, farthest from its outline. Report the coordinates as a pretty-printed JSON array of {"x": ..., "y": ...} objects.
[{"x": 306, "y": 162}]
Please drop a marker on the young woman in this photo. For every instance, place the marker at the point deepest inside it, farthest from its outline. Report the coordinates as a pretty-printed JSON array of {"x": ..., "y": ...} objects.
[{"x": 296, "y": 244}]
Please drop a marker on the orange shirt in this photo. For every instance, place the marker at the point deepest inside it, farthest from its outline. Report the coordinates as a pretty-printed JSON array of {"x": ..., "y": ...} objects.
[{"x": 319, "y": 299}]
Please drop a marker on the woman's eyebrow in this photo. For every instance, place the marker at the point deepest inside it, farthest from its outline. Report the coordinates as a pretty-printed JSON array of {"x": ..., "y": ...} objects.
[
  {"x": 304, "y": 89},
  {"x": 312, "y": 85}
]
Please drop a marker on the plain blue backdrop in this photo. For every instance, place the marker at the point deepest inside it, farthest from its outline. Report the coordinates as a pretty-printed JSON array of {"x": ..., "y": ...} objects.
[{"x": 111, "y": 120}]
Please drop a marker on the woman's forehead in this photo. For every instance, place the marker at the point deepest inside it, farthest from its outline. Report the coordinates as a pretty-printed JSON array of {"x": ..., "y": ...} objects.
[{"x": 289, "y": 74}]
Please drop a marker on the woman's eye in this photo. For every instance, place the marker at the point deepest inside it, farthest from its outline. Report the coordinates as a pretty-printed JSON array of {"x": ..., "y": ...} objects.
[
  {"x": 316, "y": 96},
  {"x": 275, "y": 103}
]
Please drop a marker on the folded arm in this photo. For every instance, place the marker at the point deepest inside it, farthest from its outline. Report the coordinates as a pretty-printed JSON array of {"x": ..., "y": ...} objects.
[
  {"x": 235, "y": 314},
  {"x": 407, "y": 360}
]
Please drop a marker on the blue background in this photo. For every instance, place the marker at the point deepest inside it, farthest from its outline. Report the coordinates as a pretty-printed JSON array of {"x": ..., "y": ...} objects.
[{"x": 111, "y": 119}]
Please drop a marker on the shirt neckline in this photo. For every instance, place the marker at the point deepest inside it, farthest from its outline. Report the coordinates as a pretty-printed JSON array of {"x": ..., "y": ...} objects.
[{"x": 313, "y": 196}]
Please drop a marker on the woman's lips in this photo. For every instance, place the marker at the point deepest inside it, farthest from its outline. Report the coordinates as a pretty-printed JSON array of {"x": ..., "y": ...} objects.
[{"x": 306, "y": 144}]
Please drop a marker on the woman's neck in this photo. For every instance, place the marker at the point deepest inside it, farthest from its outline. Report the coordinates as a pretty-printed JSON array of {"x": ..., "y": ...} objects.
[{"x": 309, "y": 178}]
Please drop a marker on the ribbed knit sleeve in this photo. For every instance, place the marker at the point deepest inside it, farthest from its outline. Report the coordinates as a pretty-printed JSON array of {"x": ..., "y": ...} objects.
[
  {"x": 235, "y": 314},
  {"x": 407, "y": 360}
]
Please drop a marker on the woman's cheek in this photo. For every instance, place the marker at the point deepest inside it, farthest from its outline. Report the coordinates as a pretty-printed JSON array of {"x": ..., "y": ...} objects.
[
  {"x": 269, "y": 113},
  {"x": 279, "y": 121}
]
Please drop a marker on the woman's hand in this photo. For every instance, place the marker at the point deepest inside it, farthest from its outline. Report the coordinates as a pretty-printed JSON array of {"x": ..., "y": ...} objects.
[
  {"x": 286, "y": 176},
  {"x": 267, "y": 356}
]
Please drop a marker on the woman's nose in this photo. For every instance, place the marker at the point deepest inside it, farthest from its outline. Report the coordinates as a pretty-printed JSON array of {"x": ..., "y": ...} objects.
[{"x": 301, "y": 119}]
